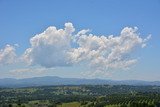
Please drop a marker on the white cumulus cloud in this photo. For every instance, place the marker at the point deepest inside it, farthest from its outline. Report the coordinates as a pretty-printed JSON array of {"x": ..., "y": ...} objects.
[
  {"x": 53, "y": 48},
  {"x": 103, "y": 52},
  {"x": 7, "y": 55},
  {"x": 50, "y": 47}
]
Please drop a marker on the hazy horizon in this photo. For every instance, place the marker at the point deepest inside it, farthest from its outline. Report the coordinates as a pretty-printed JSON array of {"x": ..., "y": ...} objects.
[{"x": 83, "y": 78}]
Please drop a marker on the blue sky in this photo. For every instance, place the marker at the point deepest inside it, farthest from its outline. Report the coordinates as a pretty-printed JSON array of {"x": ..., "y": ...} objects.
[{"x": 22, "y": 20}]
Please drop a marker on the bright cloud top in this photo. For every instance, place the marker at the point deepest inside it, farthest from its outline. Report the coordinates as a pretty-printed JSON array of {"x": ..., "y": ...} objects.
[
  {"x": 54, "y": 47},
  {"x": 51, "y": 47}
]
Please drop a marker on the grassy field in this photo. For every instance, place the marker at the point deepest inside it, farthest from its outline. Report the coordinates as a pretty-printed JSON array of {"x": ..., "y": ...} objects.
[{"x": 72, "y": 104}]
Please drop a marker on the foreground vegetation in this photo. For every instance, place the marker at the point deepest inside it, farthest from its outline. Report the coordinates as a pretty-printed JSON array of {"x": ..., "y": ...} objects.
[{"x": 81, "y": 96}]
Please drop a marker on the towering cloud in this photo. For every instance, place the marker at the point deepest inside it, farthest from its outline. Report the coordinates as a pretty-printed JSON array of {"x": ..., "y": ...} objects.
[
  {"x": 53, "y": 48},
  {"x": 50, "y": 47}
]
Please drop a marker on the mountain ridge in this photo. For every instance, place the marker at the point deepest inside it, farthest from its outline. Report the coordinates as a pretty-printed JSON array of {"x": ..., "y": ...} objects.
[{"x": 55, "y": 80}]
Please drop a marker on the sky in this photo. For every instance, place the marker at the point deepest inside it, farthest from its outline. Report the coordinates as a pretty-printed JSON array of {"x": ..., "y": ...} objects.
[{"x": 106, "y": 39}]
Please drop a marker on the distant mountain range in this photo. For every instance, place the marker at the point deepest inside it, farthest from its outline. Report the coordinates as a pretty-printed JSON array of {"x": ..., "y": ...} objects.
[{"x": 53, "y": 80}]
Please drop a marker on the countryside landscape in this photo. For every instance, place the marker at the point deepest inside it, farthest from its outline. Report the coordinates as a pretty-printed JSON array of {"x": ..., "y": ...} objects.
[
  {"x": 79, "y": 53},
  {"x": 89, "y": 93}
]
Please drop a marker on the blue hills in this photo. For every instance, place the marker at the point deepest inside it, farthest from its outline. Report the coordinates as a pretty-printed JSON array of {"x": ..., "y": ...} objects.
[{"x": 54, "y": 80}]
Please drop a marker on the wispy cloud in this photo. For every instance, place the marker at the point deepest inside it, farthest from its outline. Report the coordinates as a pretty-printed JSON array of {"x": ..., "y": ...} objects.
[{"x": 31, "y": 71}]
